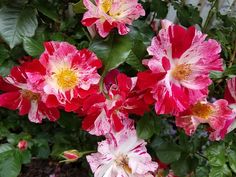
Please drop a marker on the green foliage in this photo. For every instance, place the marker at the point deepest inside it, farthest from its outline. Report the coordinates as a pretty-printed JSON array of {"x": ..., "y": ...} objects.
[
  {"x": 79, "y": 7},
  {"x": 17, "y": 23},
  {"x": 167, "y": 152},
  {"x": 113, "y": 51},
  {"x": 4, "y": 54},
  {"x": 221, "y": 159},
  {"x": 188, "y": 15},
  {"x": 146, "y": 127},
  {"x": 160, "y": 8},
  {"x": 47, "y": 9},
  {"x": 10, "y": 163},
  {"x": 33, "y": 47},
  {"x": 232, "y": 159}
]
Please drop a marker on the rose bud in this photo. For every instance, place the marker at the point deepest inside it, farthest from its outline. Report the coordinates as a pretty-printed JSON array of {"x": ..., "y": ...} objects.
[
  {"x": 73, "y": 155},
  {"x": 22, "y": 145}
]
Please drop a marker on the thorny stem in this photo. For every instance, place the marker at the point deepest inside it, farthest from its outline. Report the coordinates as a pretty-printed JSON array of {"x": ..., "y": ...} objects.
[{"x": 210, "y": 15}]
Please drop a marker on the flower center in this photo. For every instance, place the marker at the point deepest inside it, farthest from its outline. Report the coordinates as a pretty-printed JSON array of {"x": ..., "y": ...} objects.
[
  {"x": 30, "y": 95},
  {"x": 181, "y": 72},
  {"x": 122, "y": 161},
  {"x": 202, "y": 110},
  {"x": 66, "y": 78},
  {"x": 106, "y": 5}
]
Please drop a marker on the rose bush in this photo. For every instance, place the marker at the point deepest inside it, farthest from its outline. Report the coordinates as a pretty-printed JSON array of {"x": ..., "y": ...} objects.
[{"x": 118, "y": 89}]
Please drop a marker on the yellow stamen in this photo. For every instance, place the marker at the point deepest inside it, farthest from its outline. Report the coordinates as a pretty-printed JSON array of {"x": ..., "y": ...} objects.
[
  {"x": 122, "y": 161},
  {"x": 181, "y": 72},
  {"x": 30, "y": 95},
  {"x": 202, "y": 110},
  {"x": 106, "y": 5},
  {"x": 160, "y": 173},
  {"x": 66, "y": 78}
]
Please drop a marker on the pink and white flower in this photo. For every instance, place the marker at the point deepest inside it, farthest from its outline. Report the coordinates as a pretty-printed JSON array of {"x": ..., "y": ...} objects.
[
  {"x": 122, "y": 154},
  {"x": 230, "y": 92},
  {"x": 104, "y": 114},
  {"x": 218, "y": 115},
  {"x": 179, "y": 68},
  {"x": 230, "y": 96},
  {"x": 24, "y": 95},
  {"x": 71, "y": 75},
  {"x": 109, "y": 14}
]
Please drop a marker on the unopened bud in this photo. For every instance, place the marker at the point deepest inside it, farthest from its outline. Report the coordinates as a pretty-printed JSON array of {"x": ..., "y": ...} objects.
[
  {"x": 22, "y": 145},
  {"x": 73, "y": 155}
]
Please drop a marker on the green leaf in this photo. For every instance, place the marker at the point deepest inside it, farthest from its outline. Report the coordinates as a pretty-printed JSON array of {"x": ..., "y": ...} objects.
[
  {"x": 223, "y": 171},
  {"x": 188, "y": 15},
  {"x": 166, "y": 152},
  {"x": 17, "y": 23},
  {"x": 33, "y": 47},
  {"x": 145, "y": 127},
  {"x": 232, "y": 160},
  {"x": 202, "y": 171},
  {"x": 185, "y": 165},
  {"x": 58, "y": 148},
  {"x": 4, "y": 54},
  {"x": 216, "y": 155},
  {"x": 47, "y": 9},
  {"x": 25, "y": 156},
  {"x": 141, "y": 31},
  {"x": 69, "y": 122},
  {"x": 57, "y": 36},
  {"x": 41, "y": 148},
  {"x": 180, "y": 167},
  {"x": 133, "y": 61},
  {"x": 10, "y": 164},
  {"x": 113, "y": 51},
  {"x": 79, "y": 7},
  {"x": 160, "y": 7},
  {"x": 230, "y": 71},
  {"x": 157, "y": 141},
  {"x": 139, "y": 48},
  {"x": 3, "y": 132},
  {"x": 82, "y": 45},
  {"x": 137, "y": 54},
  {"x": 15, "y": 138},
  {"x": 6, "y": 67},
  {"x": 216, "y": 75},
  {"x": 5, "y": 147}
]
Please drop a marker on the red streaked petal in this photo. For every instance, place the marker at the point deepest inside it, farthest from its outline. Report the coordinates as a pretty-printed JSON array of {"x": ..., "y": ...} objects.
[
  {"x": 89, "y": 21},
  {"x": 118, "y": 125},
  {"x": 147, "y": 79},
  {"x": 124, "y": 82},
  {"x": 10, "y": 100},
  {"x": 52, "y": 101},
  {"x": 4, "y": 86},
  {"x": 24, "y": 107},
  {"x": 181, "y": 39}
]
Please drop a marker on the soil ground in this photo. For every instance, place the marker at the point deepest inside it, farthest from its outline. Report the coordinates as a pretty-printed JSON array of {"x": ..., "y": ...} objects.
[{"x": 45, "y": 168}]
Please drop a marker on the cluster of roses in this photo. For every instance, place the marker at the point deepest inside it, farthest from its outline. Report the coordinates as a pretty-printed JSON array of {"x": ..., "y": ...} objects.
[{"x": 176, "y": 81}]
